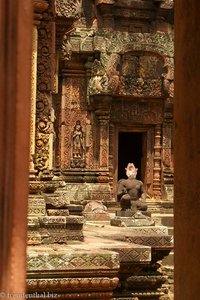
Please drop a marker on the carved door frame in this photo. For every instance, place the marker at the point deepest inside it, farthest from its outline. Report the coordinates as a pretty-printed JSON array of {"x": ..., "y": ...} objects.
[{"x": 148, "y": 146}]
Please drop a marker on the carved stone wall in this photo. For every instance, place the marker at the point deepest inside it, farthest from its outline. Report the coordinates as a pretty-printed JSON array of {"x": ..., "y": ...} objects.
[
  {"x": 74, "y": 110},
  {"x": 126, "y": 53}
]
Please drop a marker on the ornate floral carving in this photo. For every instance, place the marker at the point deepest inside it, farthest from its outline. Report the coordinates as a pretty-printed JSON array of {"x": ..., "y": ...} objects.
[
  {"x": 167, "y": 4},
  {"x": 138, "y": 87},
  {"x": 44, "y": 110},
  {"x": 68, "y": 8},
  {"x": 44, "y": 127}
]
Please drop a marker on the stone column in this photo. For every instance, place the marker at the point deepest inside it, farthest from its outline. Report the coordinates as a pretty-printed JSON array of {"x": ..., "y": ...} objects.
[
  {"x": 167, "y": 157},
  {"x": 157, "y": 163},
  {"x": 15, "y": 94},
  {"x": 33, "y": 97},
  {"x": 187, "y": 150},
  {"x": 44, "y": 110}
]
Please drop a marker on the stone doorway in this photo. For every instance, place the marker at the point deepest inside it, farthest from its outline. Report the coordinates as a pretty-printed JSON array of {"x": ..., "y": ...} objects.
[
  {"x": 131, "y": 149},
  {"x": 133, "y": 144}
]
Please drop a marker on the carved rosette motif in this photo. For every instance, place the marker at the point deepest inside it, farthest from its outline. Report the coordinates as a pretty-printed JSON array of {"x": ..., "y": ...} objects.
[{"x": 44, "y": 110}]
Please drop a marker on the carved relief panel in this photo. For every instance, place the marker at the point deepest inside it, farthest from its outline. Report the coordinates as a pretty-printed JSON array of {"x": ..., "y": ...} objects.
[
  {"x": 76, "y": 135},
  {"x": 141, "y": 75}
]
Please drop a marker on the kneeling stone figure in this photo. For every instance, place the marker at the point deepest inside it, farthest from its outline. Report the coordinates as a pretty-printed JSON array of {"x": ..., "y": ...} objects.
[{"x": 131, "y": 193}]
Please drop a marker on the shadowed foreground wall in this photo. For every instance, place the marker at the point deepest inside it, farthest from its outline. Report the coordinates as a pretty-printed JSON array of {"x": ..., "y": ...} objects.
[
  {"x": 15, "y": 67},
  {"x": 187, "y": 150}
]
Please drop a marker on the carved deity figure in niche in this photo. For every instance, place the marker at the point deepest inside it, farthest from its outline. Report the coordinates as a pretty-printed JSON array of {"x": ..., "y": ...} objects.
[
  {"x": 78, "y": 141},
  {"x": 131, "y": 192}
]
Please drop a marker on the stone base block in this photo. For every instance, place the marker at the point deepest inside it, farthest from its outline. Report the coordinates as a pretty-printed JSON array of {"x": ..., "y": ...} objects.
[
  {"x": 97, "y": 216},
  {"x": 56, "y": 200},
  {"x": 60, "y": 235},
  {"x": 49, "y": 221},
  {"x": 154, "y": 241},
  {"x": 131, "y": 222},
  {"x": 58, "y": 212},
  {"x": 75, "y": 209}
]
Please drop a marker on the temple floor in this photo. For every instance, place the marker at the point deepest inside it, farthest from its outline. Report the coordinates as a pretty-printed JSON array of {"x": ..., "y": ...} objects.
[{"x": 111, "y": 263}]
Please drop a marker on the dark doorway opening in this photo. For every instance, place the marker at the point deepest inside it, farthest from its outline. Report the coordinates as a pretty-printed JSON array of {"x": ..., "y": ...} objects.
[{"x": 130, "y": 151}]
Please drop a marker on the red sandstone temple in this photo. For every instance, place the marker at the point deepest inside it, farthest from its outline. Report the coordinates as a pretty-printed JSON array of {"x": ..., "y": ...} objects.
[{"x": 100, "y": 78}]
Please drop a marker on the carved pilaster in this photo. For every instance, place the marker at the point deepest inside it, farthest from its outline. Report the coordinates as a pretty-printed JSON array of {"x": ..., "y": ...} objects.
[
  {"x": 157, "y": 163},
  {"x": 104, "y": 139},
  {"x": 39, "y": 7},
  {"x": 44, "y": 110}
]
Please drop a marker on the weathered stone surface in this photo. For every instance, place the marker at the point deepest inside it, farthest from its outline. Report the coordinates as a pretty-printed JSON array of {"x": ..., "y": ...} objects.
[
  {"x": 34, "y": 238},
  {"x": 155, "y": 241},
  {"x": 131, "y": 222},
  {"x": 75, "y": 220},
  {"x": 49, "y": 258},
  {"x": 95, "y": 210},
  {"x": 36, "y": 205},
  {"x": 49, "y": 221},
  {"x": 58, "y": 212},
  {"x": 33, "y": 222},
  {"x": 97, "y": 216},
  {"x": 56, "y": 200},
  {"x": 68, "y": 8}
]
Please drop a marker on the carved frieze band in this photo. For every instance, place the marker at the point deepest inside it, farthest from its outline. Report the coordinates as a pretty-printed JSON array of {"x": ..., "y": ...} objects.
[
  {"x": 137, "y": 112},
  {"x": 73, "y": 284}
]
